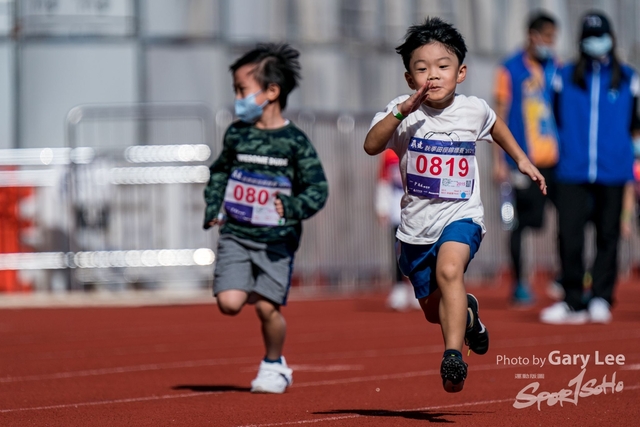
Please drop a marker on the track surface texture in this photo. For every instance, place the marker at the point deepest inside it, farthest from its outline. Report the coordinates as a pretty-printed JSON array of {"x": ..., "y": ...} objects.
[{"x": 355, "y": 364}]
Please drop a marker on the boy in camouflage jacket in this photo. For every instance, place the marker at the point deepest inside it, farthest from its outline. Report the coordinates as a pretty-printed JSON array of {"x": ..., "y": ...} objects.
[{"x": 268, "y": 178}]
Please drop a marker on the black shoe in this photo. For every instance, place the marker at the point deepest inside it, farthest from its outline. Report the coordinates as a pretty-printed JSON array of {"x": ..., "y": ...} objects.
[
  {"x": 453, "y": 371},
  {"x": 477, "y": 337}
]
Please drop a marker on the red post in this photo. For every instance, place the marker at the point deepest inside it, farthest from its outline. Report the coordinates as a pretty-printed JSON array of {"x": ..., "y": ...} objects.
[{"x": 10, "y": 227}]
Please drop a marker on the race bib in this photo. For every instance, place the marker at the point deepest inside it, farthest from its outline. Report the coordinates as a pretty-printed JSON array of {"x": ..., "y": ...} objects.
[
  {"x": 441, "y": 169},
  {"x": 250, "y": 197}
]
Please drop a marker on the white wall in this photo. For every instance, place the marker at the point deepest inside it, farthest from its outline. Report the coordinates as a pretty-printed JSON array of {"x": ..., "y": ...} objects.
[
  {"x": 190, "y": 73},
  {"x": 193, "y": 18},
  {"x": 57, "y": 77}
]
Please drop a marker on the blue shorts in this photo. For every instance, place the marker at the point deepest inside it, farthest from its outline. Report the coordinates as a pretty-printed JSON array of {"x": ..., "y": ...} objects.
[{"x": 418, "y": 262}]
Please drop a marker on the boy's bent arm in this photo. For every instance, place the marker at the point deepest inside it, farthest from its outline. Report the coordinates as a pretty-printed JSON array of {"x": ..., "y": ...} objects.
[
  {"x": 503, "y": 137},
  {"x": 380, "y": 134},
  {"x": 310, "y": 187}
]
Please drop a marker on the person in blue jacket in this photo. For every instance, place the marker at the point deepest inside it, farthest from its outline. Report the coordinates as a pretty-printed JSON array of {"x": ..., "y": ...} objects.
[
  {"x": 522, "y": 99},
  {"x": 595, "y": 101}
]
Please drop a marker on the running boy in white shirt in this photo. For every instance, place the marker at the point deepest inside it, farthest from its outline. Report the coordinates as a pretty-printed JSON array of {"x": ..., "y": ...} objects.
[{"x": 434, "y": 131}]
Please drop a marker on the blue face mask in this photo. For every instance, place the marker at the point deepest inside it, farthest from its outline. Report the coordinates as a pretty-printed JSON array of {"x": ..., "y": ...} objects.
[
  {"x": 597, "y": 47},
  {"x": 248, "y": 110}
]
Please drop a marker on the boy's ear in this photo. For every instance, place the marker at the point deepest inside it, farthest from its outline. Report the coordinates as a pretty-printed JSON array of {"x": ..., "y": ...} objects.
[
  {"x": 272, "y": 92},
  {"x": 462, "y": 74},
  {"x": 410, "y": 81}
]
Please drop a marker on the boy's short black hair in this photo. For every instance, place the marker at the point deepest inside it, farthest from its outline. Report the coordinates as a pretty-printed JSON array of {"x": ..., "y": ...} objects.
[
  {"x": 275, "y": 64},
  {"x": 538, "y": 19},
  {"x": 432, "y": 30}
]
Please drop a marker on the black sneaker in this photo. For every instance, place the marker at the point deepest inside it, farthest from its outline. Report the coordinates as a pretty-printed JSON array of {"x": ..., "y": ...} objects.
[
  {"x": 453, "y": 371},
  {"x": 477, "y": 337}
]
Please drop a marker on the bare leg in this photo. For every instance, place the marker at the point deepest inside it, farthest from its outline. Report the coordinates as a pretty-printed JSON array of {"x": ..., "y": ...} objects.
[
  {"x": 274, "y": 328},
  {"x": 231, "y": 302},
  {"x": 431, "y": 306},
  {"x": 452, "y": 259}
]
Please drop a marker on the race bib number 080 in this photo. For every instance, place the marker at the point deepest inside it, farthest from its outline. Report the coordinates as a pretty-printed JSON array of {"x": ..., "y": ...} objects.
[
  {"x": 441, "y": 169},
  {"x": 250, "y": 197}
]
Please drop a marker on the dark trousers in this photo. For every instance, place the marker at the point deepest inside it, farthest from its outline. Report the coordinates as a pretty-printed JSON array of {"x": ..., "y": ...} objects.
[
  {"x": 530, "y": 206},
  {"x": 397, "y": 273},
  {"x": 577, "y": 204}
]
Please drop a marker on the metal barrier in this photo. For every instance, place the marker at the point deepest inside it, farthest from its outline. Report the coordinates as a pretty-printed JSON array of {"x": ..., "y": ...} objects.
[
  {"x": 136, "y": 207},
  {"x": 122, "y": 206}
]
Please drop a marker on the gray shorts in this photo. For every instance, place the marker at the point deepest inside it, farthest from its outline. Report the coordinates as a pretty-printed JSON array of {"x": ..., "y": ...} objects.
[{"x": 256, "y": 268}]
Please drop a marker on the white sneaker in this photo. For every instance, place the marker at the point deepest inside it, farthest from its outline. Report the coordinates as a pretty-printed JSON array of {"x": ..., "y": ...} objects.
[
  {"x": 599, "y": 310},
  {"x": 398, "y": 298},
  {"x": 272, "y": 378},
  {"x": 561, "y": 314}
]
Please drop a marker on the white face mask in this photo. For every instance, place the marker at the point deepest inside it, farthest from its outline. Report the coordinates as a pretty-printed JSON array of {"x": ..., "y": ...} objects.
[
  {"x": 543, "y": 52},
  {"x": 597, "y": 47}
]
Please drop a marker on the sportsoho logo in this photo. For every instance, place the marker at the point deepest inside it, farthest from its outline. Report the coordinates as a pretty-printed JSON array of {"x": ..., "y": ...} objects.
[{"x": 578, "y": 387}]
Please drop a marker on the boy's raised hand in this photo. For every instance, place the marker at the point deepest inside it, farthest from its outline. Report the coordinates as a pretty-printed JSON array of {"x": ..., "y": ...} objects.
[
  {"x": 414, "y": 102},
  {"x": 381, "y": 132},
  {"x": 526, "y": 167}
]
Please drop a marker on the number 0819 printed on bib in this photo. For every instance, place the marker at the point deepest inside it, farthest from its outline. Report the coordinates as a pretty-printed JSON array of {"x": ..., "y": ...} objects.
[{"x": 441, "y": 169}]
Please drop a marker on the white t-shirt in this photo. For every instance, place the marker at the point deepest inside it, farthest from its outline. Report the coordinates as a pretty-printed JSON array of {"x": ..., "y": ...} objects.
[{"x": 438, "y": 165}]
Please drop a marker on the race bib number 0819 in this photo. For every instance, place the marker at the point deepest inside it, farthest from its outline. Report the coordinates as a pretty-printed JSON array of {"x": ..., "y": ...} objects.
[
  {"x": 441, "y": 169},
  {"x": 250, "y": 197}
]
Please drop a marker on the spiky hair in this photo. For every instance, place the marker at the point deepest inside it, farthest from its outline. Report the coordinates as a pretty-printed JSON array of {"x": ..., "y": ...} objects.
[
  {"x": 276, "y": 63},
  {"x": 432, "y": 30}
]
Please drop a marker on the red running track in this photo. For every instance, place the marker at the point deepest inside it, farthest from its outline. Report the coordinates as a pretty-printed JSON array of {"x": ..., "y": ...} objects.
[{"x": 355, "y": 364}]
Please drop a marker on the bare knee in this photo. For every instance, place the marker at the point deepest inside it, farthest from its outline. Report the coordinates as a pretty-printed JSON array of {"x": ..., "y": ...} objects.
[
  {"x": 229, "y": 309},
  {"x": 266, "y": 309},
  {"x": 230, "y": 303},
  {"x": 449, "y": 272}
]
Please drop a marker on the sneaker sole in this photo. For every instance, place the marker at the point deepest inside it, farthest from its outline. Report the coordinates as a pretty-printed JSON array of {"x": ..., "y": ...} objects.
[
  {"x": 260, "y": 390},
  {"x": 265, "y": 390},
  {"x": 450, "y": 387},
  {"x": 450, "y": 372}
]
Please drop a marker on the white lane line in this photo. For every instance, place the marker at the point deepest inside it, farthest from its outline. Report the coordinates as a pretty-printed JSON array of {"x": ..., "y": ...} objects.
[
  {"x": 110, "y": 402},
  {"x": 317, "y": 420},
  {"x": 394, "y": 376},
  {"x": 128, "y": 369},
  {"x": 525, "y": 342},
  {"x": 634, "y": 367},
  {"x": 346, "y": 417},
  {"x": 315, "y": 368},
  {"x": 299, "y": 385},
  {"x": 428, "y": 408}
]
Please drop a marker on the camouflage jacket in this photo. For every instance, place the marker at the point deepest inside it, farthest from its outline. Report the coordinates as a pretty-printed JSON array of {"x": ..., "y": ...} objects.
[{"x": 283, "y": 154}]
